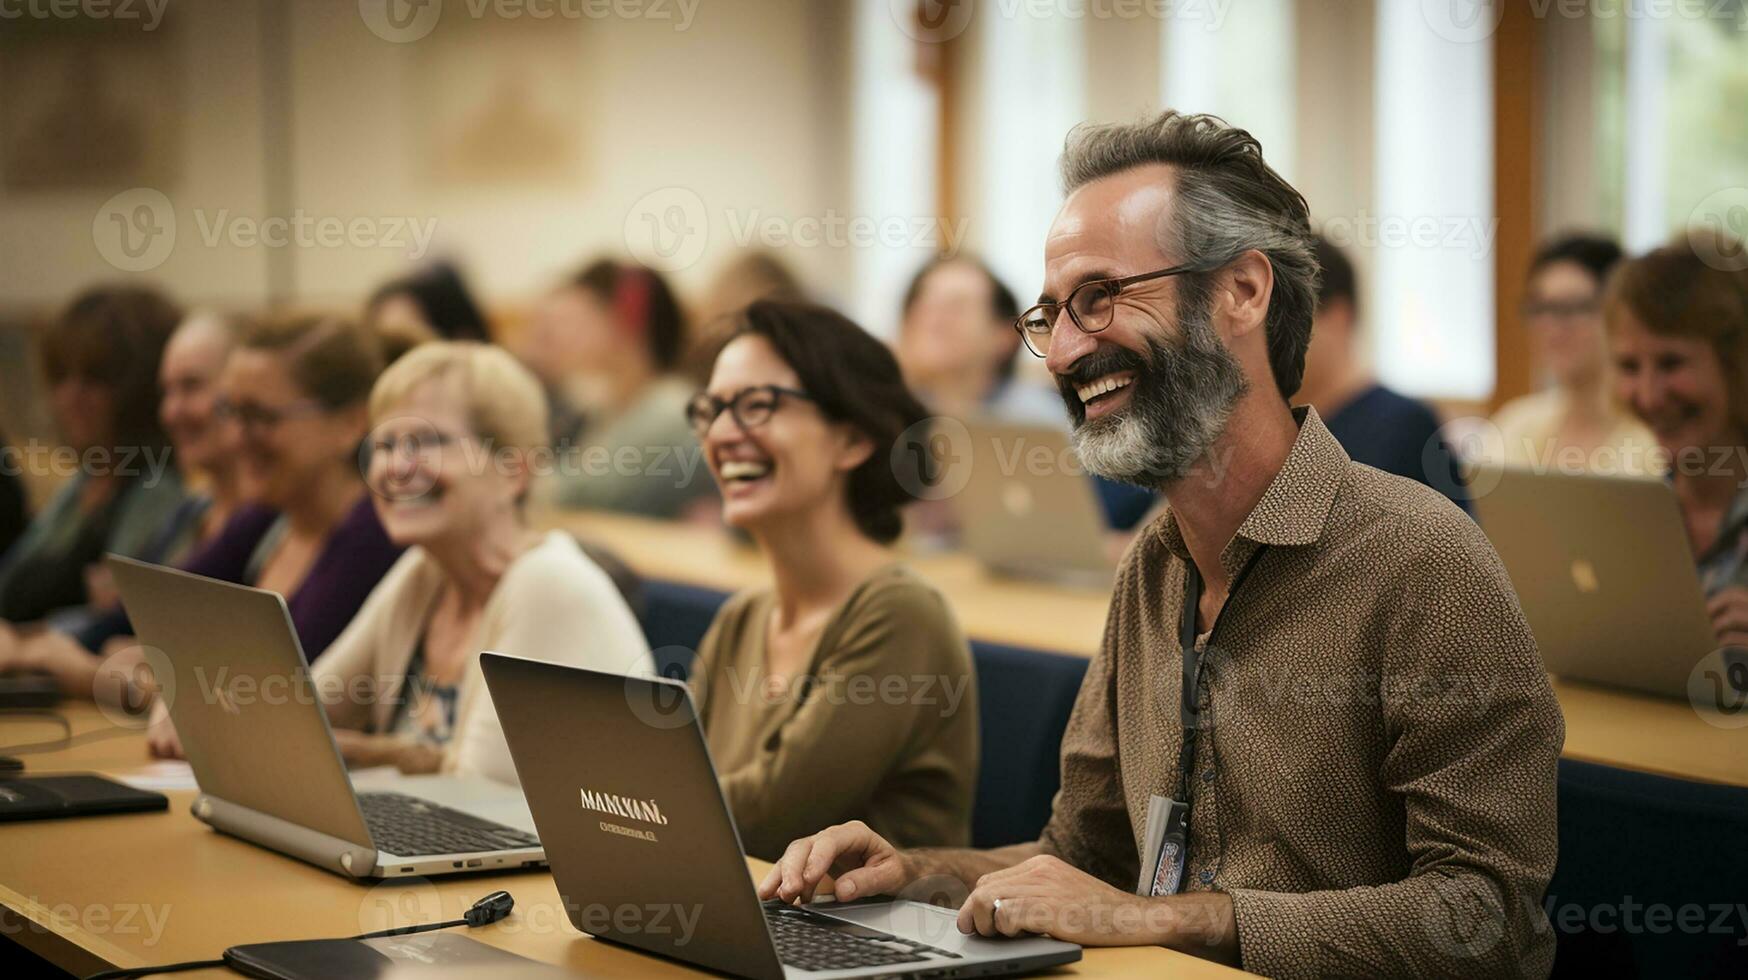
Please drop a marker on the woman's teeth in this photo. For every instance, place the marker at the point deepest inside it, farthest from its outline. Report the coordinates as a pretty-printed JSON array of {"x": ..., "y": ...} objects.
[
  {"x": 743, "y": 469},
  {"x": 1108, "y": 383}
]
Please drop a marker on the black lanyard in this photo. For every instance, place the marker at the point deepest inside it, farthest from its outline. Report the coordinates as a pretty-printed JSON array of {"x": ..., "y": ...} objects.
[{"x": 1190, "y": 717}]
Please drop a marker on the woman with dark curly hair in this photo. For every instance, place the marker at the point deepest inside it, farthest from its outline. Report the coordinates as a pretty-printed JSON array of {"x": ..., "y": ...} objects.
[{"x": 843, "y": 691}]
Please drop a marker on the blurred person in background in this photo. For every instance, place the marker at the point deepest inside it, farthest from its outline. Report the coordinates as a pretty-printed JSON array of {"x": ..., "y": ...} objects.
[
  {"x": 206, "y": 452},
  {"x": 959, "y": 351},
  {"x": 101, "y": 362},
  {"x": 958, "y": 348},
  {"x": 749, "y": 276},
  {"x": 297, "y": 390},
  {"x": 475, "y": 576},
  {"x": 431, "y": 303},
  {"x": 1562, "y": 310},
  {"x": 1377, "y": 426},
  {"x": 608, "y": 345},
  {"x": 1677, "y": 324},
  {"x": 798, "y": 424}
]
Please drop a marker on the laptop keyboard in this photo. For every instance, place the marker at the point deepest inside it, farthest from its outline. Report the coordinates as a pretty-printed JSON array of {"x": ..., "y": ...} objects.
[
  {"x": 808, "y": 941},
  {"x": 406, "y": 826}
]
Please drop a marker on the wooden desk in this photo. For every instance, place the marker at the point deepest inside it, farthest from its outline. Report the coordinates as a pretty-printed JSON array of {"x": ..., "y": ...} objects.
[
  {"x": 1612, "y": 727},
  {"x": 140, "y": 889}
]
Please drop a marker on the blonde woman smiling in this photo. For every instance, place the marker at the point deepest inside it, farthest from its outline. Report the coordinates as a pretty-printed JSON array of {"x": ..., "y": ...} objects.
[{"x": 454, "y": 425}]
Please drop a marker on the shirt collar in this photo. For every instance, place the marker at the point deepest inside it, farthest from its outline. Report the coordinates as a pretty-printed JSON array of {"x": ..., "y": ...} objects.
[{"x": 1295, "y": 507}]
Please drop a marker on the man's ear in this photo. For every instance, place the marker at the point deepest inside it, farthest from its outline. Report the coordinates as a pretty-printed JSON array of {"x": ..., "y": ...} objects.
[{"x": 1241, "y": 297}]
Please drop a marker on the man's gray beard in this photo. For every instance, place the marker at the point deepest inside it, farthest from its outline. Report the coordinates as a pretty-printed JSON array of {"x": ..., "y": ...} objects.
[{"x": 1177, "y": 409}]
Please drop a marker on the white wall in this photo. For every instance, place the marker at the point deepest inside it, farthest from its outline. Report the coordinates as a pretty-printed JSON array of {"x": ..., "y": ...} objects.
[{"x": 742, "y": 111}]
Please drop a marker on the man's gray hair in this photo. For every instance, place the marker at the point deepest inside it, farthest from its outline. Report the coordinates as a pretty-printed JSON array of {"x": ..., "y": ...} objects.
[{"x": 1228, "y": 201}]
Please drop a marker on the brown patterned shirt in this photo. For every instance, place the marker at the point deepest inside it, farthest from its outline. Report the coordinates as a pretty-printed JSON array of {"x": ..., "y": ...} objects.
[{"x": 1374, "y": 775}]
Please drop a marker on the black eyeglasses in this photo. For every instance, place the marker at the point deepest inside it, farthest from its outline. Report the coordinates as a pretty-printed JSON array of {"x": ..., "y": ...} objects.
[
  {"x": 1091, "y": 305},
  {"x": 750, "y": 407}
]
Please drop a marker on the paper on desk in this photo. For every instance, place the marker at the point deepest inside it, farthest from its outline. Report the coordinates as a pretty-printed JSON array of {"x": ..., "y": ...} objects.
[
  {"x": 175, "y": 774},
  {"x": 160, "y": 777}
]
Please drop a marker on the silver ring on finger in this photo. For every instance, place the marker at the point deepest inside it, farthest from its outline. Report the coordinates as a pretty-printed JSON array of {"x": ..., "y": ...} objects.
[{"x": 995, "y": 908}]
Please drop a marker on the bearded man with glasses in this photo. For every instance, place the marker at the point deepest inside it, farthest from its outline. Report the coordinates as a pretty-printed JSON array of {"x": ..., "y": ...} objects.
[{"x": 1318, "y": 738}]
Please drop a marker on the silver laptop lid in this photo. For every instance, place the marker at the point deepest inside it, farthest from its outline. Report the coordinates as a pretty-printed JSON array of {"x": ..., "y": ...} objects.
[
  {"x": 624, "y": 795},
  {"x": 251, "y": 726},
  {"x": 1604, "y": 572},
  {"x": 1029, "y": 507}
]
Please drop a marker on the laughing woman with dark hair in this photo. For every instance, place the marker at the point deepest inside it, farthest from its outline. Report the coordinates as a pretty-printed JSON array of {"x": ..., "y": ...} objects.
[{"x": 811, "y": 691}]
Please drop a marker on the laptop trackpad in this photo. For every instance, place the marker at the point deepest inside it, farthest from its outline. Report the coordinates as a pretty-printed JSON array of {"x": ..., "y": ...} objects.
[
  {"x": 931, "y": 924},
  {"x": 472, "y": 795}
]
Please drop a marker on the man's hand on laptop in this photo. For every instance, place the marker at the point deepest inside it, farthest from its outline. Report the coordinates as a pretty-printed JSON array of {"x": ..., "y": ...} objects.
[
  {"x": 1047, "y": 896},
  {"x": 865, "y": 863}
]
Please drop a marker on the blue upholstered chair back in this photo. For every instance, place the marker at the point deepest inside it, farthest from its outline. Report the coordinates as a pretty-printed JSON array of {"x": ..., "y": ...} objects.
[
  {"x": 1631, "y": 843},
  {"x": 1024, "y": 698}
]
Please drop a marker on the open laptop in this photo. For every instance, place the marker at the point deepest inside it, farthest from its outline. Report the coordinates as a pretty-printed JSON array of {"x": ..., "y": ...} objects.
[
  {"x": 1029, "y": 509},
  {"x": 645, "y": 852},
  {"x": 257, "y": 738},
  {"x": 1604, "y": 572}
]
